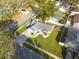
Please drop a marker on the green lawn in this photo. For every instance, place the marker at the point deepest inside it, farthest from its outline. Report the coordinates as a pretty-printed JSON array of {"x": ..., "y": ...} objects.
[
  {"x": 21, "y": 29},
  {"x": 50, "y": 44}
]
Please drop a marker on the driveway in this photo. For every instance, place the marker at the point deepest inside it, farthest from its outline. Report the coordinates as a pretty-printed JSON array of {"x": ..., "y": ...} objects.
[{"x": 25, "y": 17}]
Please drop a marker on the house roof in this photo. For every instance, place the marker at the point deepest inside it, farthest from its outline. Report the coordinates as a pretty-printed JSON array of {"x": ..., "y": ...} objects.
[
  {"x": 72, "y": 40},
  {"x": 40, "y": 26},
  {"x": 76, "y": 18},
  {"x": 25, "y": 53}
]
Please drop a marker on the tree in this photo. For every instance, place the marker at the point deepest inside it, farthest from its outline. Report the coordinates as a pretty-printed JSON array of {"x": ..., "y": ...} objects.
[
  {"x": 73, "y": 4},
  {"x": 8, "y": 8},
  {"x": 7, "y": 47},
  {"x": 46, "y": 9}
]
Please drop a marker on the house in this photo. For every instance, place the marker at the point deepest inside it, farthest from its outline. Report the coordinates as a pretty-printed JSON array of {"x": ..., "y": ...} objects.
[
  {"x": 69, "y": 54},
  {"x": 72, "y": 38},
  {"x": 36, "y": 28},
  {"x": 74, "y": 18}
]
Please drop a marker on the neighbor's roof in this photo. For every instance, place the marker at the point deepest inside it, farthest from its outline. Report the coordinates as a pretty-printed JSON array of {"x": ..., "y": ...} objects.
[
  {"x": 76, "y": 18},
  {"x": 72, "y": 40}
]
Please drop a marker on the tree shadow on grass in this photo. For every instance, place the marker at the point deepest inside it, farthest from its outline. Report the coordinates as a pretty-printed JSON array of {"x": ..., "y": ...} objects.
[
  {"x": 9, "y": 25},
  {"x": 62, "y": 34},
  {"x": 58, "y": 36},
  {"x": 29, "y": 40}
]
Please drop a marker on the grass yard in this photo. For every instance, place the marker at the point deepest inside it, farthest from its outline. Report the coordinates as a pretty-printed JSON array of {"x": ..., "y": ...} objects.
[
  {"x": 21, "y": 29},
  {"x": 50, "y": 44}
]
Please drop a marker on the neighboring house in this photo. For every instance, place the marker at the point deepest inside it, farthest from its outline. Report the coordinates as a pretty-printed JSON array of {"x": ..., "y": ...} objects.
[
  {"x": 74, "y": 18},
  {"x": 69, "y": 54},
  {"x": 74, "y": 12},
  {"x": 36, "y": 28},
  {"x": 72, "y": 37},
  {"x": 72, "y": 40}
]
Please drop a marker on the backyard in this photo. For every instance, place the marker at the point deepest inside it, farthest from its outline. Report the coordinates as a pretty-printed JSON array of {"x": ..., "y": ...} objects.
[{"x": 49, "y": 44}]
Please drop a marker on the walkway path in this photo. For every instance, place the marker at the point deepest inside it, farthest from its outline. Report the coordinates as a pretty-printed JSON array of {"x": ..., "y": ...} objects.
[{"x": 46, "y": 52}]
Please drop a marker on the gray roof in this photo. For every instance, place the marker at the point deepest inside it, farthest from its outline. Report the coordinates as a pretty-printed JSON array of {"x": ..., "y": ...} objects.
[
  {"x": 25, "y": 53},
  {"x": 72, "y": 39},
  {"x": 40, "y": 26}
]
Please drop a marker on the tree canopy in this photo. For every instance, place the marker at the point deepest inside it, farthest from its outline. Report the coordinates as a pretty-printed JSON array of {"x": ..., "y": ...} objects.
[
  {"x": 6, "y": 45},
  {"x": 46, "y": 9},
  {"x": 74, "y": 4}
]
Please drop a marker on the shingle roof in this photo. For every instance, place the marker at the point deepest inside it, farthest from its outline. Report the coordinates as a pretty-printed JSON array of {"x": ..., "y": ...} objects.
[
  {"x": 25, "y": 53},
  {"x": 41, "y": 26},
  {"x": 75, "y": 18},
  {"x": 71, "y": 39}
]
